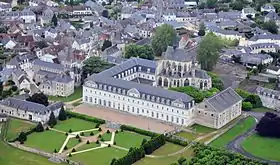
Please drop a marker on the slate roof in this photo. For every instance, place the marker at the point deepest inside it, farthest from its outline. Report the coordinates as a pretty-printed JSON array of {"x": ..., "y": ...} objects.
[
  {"x": 48, "y": 65},
  {"x": 176, "y": 54},
  {"x": 27, "y": 105},
  {"x": 267, "y": 92},
  {"x": 223, "y": 100}
]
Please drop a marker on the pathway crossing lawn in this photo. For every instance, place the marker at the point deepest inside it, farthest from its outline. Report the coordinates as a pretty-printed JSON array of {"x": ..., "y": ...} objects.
[
  {"x": 88, "y": 146},
  {"x": 16, "y": 126},
  {"x": 86, "y": 134},
  {"x": 187, "y": 135},
  {"x": 78, "y": 92},
  {"x": 12, "y": 156},
  {"x": 72, "y": 142},
  {"x": 166, "y": 160},
  {"x": 167, "y": 149},
  {"x": 129, "y": 139},
  {"x": 263, "y": 147},
  {"x": 237, "y": 130},
  {"x": 75, "y": 125},
  {"x": 46, "y": 141},
  {"x": 202, "y": 129},
  {"x": 107, "y": 136},
  {"x": 102, "y": 156}
]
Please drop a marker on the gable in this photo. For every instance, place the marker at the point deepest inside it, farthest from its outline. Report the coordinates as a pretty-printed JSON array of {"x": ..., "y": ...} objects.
[
  {"x": 178, "y": 103},
  {"x": 91, "y": 84},
  {"x": 133, "y": 92}
]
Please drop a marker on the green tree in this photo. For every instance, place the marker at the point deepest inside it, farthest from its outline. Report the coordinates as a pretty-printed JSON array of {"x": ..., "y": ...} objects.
[
  {"x": 201, "y": 31},
  {"x": 211, "y": 3},
  {"x": 22, "y": 137},
  {"x": 39, "y": 98},
  {"x": 39, "y": 127},
  {"x": 182, "y": 160},
  {"x": 52, "y": 121},
  {"x": 246, "y": 106},
  {"x": 144, "y": 51},
  {"x": 62, "y": 114},
  {"x": 238, "y": 5},
  {"x": 95, "y": 65},
  {"x": 208, "y": 51},
  {"x": 54, "y": 20},
  {"x": 71, "y": 2},
  {"x": 164, "y": 36},
  {"x": 216, "y": 81},
  {"x": 270, "y": 26}
]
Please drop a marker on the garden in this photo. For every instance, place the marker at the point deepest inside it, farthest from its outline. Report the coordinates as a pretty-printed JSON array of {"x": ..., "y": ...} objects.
[{"x": 78, "y": 92}]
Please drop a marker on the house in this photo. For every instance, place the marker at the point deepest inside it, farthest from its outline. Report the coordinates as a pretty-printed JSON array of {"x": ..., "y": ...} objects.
[
  {"x": 248, "y": 12},
  {"x": 249, "y": 59},
  {"x": 218, "y": 110},
  {"x": 51, "y": 33},
  {"x": 3, "y": 118},
  {"x": 9, "y": 43},
  {"x": 272, "y": 16},
  {"x": 274, "y": 70},
  {"x": 267, "y": 8},
  {"x": 270, "y": 98},
  {"x": 46, "y": 16},
  {"x": 28, "y": 110},
  {"x": 78, "y": 10},
  {"x": 23, "y": 62}
]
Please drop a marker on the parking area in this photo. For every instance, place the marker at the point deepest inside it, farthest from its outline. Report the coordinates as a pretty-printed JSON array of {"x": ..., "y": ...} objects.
[{"x": 124, "y": 118}]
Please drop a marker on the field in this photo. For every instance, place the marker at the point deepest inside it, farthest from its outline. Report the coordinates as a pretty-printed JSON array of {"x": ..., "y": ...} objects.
[
  {"x": 187, "y": 135},
  {"x": 72, "y": 143},
  {"x": 101, "y": 156},
  {"x": 46, "y": 141},
  {"x": 76, "y": 95},
  {"x": 237, "y": 130},
  {"x": 129, "y": 139},
  {"x": 75, "y": 125},
  {"x": 88, "y": 146},
  {"x": 107, "y": 136},
  {"x": 16, "y": 126},
  {"x": 263, "y": 147},
  {"x": 262, "y": 109},
  {"x": 202, "y": 129}
]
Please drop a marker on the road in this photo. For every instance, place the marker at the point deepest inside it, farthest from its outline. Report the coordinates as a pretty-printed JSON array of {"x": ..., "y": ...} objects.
[{"x": 235, "y": 145}]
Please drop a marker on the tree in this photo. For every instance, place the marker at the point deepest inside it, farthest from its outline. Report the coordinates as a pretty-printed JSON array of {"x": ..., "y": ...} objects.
[
  {"x": 201, "y": 31},
  {"x": 39, "y": 127},
  {"x": 95, "y": 65},
  {"x": 211, "y": 3},
  {"x": 164, "y": 36},
  {"x": 62, "y": 114},
  {"x": 208, "y": 51},
  {"x": 39, "y": 98},
  {"x": 54, "y": 20},
  {"x": 105, "y": 13},
  {"x": 182, "y": 160},
  {"x": 71, "y": 2},
  {"x": 269, "y": 125},
  {"x": 246, "y": 106},
  {"x": 106, "y": 44},
  {"x": 41, "y": 44},
  {"x": 22, "y": 137},
  {"x": 271, "y": 27},
  {"x": 216, "y": 81},
  {"x": 52, "y": 121},
  {"x": 142, "y": 51},
  {"x": 238, "y": 5},
  {"x": 254, "y": 100},
  {"x": 143, "y": 142}
]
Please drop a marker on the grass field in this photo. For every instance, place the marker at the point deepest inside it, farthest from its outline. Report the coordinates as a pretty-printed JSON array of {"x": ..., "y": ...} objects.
[
  {"x": 46, "y": 141},
  {"x": 129, "y": 139},
  {"x": 187, "y": 135},
  {"x": 75, "y": 125},
  {"x": 76, "y": 95},
  {"x": 16, "y": 126},
  {"x": 202, "y": 129},
  {"x": 88, "y": 133},
  {"x": 262, "y": 109},
  {"x": 72, "y": 143},
  {"x": 101, "y": 156},
  {"x": 88, "y": 146},
  {"x": 237, "y": 130},
  {"x": 107, "y": 136},
  {"x": 263, "y": 147}
]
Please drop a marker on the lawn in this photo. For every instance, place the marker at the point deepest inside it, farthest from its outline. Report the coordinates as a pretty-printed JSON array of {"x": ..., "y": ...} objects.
[
  {"x": 166, "y": 160},
  {"x": 107, "y": 136},
  {"x": 129, "y": 139},
  {"x": 101, "y": 156},
  {"x": 237, "y": 130},
  {"x": 88, "y": 133},
  {"x": 187, "y": 135},
  {"x": 167, "y": 149},
  {"x": 263, "y": 147},
  {"x": 46, "y": 141},
  {"x": 262, "y": 109},
  {"x": 72, "y": 143},
  {"x": 75, "y": 125},
  {"x": 87, "y": 146},
  {"x": 78, "y": 92},
  {"x": 16, "y": 126},
  {"x": 202, "y": 129}
]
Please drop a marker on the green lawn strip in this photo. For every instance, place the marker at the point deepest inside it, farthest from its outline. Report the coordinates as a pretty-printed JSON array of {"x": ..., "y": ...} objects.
[
  {"x": 106, "y": 136},
  {"x": 88, "y": 133},
  {"x": 129, "y": 139},
  {"x": 165, "y": 160},
  {"x": 72, "y": 143},
  {"x": 262, "y": 109},
  {"x": 12, "y": 156},
  {"x": 187, "y": 135},
  {"x": 88, "y": 146},
  {"x": 76, "y": 95},
  {"x": 202, "y": 129},
  {"x": 75, "y": 125},
  {"x": 167, "y": 149},
  {"x": 46, "y": 141},
  {"x": 263, "y": 147},
  {"x": 16, "y": 126},
  {"x": 102, "y": 156},
  {"x": 237, "y": 130}
]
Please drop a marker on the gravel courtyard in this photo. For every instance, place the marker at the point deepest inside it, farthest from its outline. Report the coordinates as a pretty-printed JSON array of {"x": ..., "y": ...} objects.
[{"x": 124, "y": 118}]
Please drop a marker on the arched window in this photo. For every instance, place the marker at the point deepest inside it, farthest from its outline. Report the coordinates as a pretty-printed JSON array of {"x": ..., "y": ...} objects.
[{"x": 186, "y": 82}]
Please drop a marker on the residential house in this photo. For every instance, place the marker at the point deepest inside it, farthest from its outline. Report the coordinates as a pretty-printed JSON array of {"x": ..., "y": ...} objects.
[
  {"x": 248, "y": 12},
  {"x": 51, "y": 33},
  {"x": 267, "y": 8},
  {"x": 272, "y": 16},
  {"x": 270, "y": 98}
]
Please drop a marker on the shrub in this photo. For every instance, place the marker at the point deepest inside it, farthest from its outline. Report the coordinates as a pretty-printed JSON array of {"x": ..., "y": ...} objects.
[
  {"x": 131, "y": 157},
  {"x": 77, "y": 136},
  {"x": 80, "y": 140},
  {"x": 102, "y": 139},
  {"x": 109, "y": 145},
  {"x": 97, "y": 125},
  {"x": 88, "y": 142},
  {"x": 154, "y": 144},
  {"x": 137, "y": 130},
  {"x": 143, "y": 142},
  {"x": 65, "y": 148},
  {"x": 99, "y": 136},
  {"x": 82, "y": 134},
  {"x": 66, "y": 134},
  {"x": 176, "y": 141},
  {"x": 47, "y": 129},
  {"x": 73, "y": 150},
  {"x": 39, "y": 127},
  {"x": 22, "y": 137},
  {"x": 99, "y": 129},
  {"x": 97, "y": 142},
  {"x": 62, "y": 114},
  {"x": 70, "y": 131},
  {"x": 70, "y": 155},
  {"x": 55, "y": 151},
  {"x": 121, "y": 130},
  {"x": 85, "y": 117},
  {"x": 182, "y": 160},
  {"x": 114, "y": 143},
  {"x": 91, "y": 134},
  {"x": 117, "y": 131},
  {"x": 246, "y": 106},
  {"x": 107, "y": 131},
  {"x": 14, "y": 88}
]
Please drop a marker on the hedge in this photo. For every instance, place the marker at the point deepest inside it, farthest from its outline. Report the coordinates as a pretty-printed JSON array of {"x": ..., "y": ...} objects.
[
  {"x": 153, "y": 144},
  {"x": 140, "y": 131},
  {"x": 85, "y": 117},
  {"x": 131, "y": 157},
  {"x": 176, "y": 141}
]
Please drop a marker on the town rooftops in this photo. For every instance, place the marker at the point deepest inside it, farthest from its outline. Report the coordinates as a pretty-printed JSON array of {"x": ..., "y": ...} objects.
[
  {"x": 267, "y": 92},
  {"x": 176, "y": 54},
  {"x": 224, "y": 99},
  {"x": 29, "y": 106},
  {"x": 48, "y": 65}
]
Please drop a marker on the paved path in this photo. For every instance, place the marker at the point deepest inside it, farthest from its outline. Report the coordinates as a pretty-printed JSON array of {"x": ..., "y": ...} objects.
[
  {"x": 87, "y": 150},
  {"x": 65, "y": 142}
]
